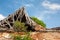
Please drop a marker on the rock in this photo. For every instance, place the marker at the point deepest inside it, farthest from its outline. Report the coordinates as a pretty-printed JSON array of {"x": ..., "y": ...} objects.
[
  {"x": 21, "y": 16},
  {"x": 56, "y": 28},
  {"x": 39, "y": 27}
]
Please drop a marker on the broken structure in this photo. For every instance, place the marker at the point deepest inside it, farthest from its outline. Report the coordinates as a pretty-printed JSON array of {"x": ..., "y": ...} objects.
[{"x": 20, "y": 15}]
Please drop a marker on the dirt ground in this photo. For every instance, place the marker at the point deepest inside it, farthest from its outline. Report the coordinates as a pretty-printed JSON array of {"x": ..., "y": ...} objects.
[
  {"x": 46, "y": 36},
  {"x": 35, "y": 36},
  {"x": 51, "y": 36}
]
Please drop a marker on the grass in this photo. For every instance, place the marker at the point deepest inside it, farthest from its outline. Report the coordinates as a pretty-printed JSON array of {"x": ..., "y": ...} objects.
[{"x": 20, "y": 37}]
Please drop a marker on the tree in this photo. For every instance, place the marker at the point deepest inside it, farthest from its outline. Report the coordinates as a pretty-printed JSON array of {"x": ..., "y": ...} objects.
[
  {"x": 18, "y": 26},
  {"x": 40, "y": 22}
]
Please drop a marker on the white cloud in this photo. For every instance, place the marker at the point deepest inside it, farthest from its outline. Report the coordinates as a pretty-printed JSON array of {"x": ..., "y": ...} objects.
[
  {"x": 52, "y": 6},
  {"x": 28, "y": 5},
  {"x": 1, "y": 17},
  {"x": 45, "y": 14},
  {"x": 52, "y": 10}
]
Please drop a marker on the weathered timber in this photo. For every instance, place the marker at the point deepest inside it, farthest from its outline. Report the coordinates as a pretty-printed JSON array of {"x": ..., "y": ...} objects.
[{"x": 21, "y": 16}]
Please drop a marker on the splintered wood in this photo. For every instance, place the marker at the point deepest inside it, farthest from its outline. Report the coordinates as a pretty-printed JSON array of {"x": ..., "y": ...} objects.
[{"x": 21, "y": 16}]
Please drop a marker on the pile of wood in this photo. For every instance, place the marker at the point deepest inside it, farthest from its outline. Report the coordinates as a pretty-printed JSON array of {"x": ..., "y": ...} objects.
[{"x": 21, "y": 16}]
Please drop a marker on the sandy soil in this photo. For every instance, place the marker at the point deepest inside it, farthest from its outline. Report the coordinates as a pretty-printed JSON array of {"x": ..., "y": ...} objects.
[
  {"x": 46, "y": 36},
  {"x": 35, "y": 36}
]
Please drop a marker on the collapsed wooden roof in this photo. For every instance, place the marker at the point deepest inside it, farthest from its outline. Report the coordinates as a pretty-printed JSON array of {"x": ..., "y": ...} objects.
[{"x": 21, "y": 16}]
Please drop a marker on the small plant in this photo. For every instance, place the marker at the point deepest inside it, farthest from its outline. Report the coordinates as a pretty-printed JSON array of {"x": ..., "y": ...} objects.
[
  {"x": 19, "y": 37},
  {"x": 40, "y": 22},
  {"x": 18, "y": 26}
]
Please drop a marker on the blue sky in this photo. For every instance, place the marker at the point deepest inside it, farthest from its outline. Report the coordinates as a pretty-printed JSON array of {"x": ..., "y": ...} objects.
[{"x": 46, "y": 10}]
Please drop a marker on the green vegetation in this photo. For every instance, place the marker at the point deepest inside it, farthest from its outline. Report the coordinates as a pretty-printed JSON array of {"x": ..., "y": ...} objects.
[
  {"x": 18, "y": 26},
  {"x": 17, "y": 37},
  {"x": 40, "y": 22},
  {"x": 25, "y": 37}
]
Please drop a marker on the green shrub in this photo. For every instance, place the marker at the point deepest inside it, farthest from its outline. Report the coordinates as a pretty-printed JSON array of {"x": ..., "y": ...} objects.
[
  {"x": 18, "y": 26},
  {"x": 40, "y": 22},
  {"x": 17, "y": 37},
  {"x": 26, "y": 37}
]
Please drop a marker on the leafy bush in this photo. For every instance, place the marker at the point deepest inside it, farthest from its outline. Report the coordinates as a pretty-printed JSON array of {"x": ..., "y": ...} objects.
[
  {"x": 18, "y": 26},
  {"x": 40, "y": 22},
  {"x": 17, "y": 37},
  {"x": 26, "y": 37}
]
